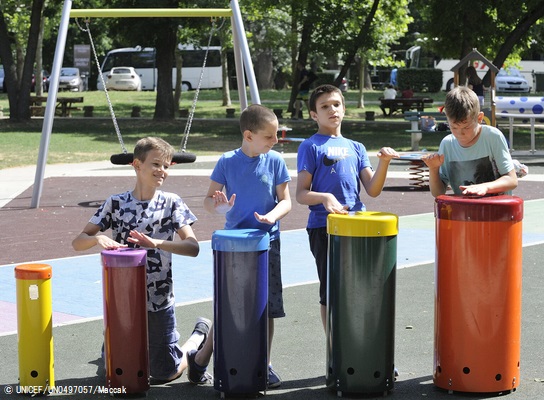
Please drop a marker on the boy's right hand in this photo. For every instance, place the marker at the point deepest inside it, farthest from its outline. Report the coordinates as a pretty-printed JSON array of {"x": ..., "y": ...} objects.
[
  {"x": 433, "y": 161},
  {"x": 108, "y": 243},
  {"x": 332, "y": 205},
  {"x": 221, "y": 204}
]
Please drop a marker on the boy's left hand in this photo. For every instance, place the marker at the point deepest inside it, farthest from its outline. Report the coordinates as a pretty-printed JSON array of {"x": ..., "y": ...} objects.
[
  {"x": 475, "y": 190},
  {"x": 264, "y": 219},
  {"x": 387, "y": 153},
  {"x": 141, "y": 239}
]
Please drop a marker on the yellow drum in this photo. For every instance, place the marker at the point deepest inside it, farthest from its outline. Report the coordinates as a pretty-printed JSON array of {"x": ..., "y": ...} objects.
[{"x": 35, "y": 325}]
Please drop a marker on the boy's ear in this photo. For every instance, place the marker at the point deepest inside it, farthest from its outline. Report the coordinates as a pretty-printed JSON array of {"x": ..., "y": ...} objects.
[
  {"x": 248, "y": 135},
  {"x": 136, "y": 163}
]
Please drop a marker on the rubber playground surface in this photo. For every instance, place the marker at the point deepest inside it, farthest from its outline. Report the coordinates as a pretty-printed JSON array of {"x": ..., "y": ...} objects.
[{"x": 71, "y": 194}]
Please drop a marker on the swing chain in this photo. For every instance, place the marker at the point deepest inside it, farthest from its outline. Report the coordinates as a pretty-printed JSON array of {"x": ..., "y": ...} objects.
[
  {"x": 110, "y": 105},
  {"x": 183, "y": 147}
]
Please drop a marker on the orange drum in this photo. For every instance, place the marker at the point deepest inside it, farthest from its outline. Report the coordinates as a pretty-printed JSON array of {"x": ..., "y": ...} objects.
[{"x": 478, "y": 274}]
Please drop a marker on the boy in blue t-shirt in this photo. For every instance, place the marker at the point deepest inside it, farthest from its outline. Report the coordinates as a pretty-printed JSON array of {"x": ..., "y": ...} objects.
[
  {"x": 473, "y": 159},
  {"x": 249, "y": 186},
  {"x": 150, "y": 218},
  {"x": 331, "y": 169}
]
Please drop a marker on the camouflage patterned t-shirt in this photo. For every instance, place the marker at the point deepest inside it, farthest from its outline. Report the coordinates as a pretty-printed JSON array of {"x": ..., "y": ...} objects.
[{"x": 158, "y": 218}]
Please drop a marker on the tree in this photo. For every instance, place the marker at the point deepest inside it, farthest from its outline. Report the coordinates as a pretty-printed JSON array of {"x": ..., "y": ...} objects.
[
  {"x": 498, "y": 29},
  {"x": 19, "y": 85}
]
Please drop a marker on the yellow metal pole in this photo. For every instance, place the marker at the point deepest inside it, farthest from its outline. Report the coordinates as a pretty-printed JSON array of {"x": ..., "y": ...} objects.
[
  {"x": 35, "y": 325},
  {"x": 151, "y": 12}
]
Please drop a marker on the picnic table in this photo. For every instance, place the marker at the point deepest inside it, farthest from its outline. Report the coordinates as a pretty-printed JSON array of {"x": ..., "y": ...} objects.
[
  {"x": 64, "y": 107},
  {"x": 404, "y": 104}
]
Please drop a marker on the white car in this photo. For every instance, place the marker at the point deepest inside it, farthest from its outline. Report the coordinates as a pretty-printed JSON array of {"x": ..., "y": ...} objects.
[
  {"x": 123, "y": 78},
  {"x": 511, "y": 80},
  {"x": 70, "y": 79}
]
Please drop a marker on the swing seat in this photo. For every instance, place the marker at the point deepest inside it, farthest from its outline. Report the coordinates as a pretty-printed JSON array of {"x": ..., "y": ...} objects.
[{"x": 127, "y": 158}]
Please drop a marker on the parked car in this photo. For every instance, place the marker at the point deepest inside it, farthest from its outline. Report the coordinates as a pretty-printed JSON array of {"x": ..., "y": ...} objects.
[
  {"x": 45, "y": 81},
  {"x": 511, "y": 80},
  {"x": 2, "y": 86},
  {"x": 123, "y": 78},
  {"x": 70, "y": 79}
]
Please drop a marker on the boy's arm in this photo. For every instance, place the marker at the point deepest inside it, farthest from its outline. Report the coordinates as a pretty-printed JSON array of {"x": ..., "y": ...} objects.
[
  {"x": 216, "y": 201},
  {"x": 308, "y": 197},
  {"x": 281, "y": 209},
  {"x": 433, "y": 162},
  {"x": 504, "y": 183},
  {"x": 89, "y": 238},
  {"x": 188, "y": 246},
  {"x": 373, "y": 181}
]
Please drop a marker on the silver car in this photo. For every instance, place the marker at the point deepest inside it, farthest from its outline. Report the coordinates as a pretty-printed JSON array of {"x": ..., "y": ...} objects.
[
  {"x": 511, "y": 80},
  {"x": 70, "y": 79}
]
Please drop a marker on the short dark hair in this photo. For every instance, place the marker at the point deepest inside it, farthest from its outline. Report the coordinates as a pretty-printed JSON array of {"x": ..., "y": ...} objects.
[
  {"x": 254, "y": 118},
  {"x": 147, "y": 144},
  {"x": 318, "y": 91}
]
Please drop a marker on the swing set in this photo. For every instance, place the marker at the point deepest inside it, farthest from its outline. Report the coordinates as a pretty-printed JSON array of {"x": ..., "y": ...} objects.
[{"x": 244, "y": 69}]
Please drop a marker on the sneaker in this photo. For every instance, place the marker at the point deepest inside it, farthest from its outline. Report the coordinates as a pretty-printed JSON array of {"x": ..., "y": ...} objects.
[
  {"x": 197, "y": 375},
  {"x": 274, "y": 380},
  {"x": 203, "y": 326}
]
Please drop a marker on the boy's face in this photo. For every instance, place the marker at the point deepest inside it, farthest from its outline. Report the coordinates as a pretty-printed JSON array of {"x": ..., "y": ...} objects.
[
  {"x": 154, "y": 170},
  {"x": 262, "y": 140},
  {"x": 330, "y": 110},
  {"x": 466, "y": 132}
]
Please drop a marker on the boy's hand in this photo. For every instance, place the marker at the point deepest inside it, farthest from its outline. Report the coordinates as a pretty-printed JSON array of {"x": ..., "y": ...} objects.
[
  {"x": 221, "y": 204},
  {"x": 108, "y": 243},
  {"x": 475, "y": 190},
  {"x": 264, "y": 219},
  {"x": 332, "y": 205},
  {"x": 141, "y": 240},
  {"x": 387, "y": 153},
  {"x": 433, "y": 161}
]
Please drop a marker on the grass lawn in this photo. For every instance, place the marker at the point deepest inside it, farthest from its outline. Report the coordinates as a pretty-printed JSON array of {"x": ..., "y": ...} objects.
[{"x": 81, "y": 139}]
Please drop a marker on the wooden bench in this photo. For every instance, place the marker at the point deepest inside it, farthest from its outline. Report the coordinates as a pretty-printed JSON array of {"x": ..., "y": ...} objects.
[
  {"x": 404, "y": 104},
  {"x": 415, "y": 127}
]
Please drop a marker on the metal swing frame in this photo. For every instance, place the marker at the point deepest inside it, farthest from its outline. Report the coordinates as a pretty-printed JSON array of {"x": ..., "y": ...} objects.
[{"x": 242, "y": 60}]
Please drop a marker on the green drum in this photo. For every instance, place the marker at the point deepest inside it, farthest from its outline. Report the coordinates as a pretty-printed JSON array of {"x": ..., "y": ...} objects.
[{"x": 361, "y": 302}]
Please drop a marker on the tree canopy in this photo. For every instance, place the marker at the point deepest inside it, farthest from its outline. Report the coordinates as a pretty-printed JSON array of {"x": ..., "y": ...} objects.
[{"x": 325, "y": 33}]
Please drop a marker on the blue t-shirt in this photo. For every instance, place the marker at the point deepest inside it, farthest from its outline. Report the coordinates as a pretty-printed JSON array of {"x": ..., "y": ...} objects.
[
  {"x": 254, "y": 181},
  {"x": 159, "y": 218},
  {"x": 335, "y": 164},
  {"x": 484, "y": 161}
]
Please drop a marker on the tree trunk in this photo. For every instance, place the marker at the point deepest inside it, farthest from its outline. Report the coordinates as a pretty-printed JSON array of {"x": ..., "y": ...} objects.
[
  {"x": 166, "y": 45},
  {"x": 264, "y": 69},
  {"x": 515, "y": 36},
  {"x": 303, "y": 51},
  {"x": 359, "y": 43},
  {"x": 226, "y": 84},
  {"x": 179, "y": 66},
  {"x": 19, "y": 89}
]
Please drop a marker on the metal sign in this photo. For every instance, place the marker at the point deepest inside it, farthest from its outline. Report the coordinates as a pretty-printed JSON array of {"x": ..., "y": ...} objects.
[{"x": 82, "y": 58}]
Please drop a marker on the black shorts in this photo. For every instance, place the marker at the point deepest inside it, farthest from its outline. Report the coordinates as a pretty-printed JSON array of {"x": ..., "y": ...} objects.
[{"x": 319, "y": 245}]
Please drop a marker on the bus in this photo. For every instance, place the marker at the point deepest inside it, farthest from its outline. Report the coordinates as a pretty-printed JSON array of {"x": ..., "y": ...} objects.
[{"x": 143, "y": 61}]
